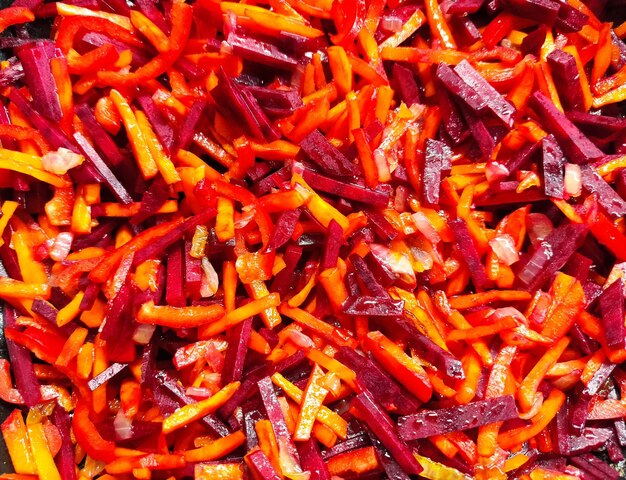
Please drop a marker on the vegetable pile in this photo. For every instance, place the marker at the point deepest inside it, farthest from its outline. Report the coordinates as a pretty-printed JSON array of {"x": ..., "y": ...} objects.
[{"x": 313, "y": 239}]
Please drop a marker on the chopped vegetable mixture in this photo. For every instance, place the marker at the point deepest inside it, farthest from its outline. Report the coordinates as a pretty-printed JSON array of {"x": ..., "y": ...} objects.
[{"x": 313, "y": 239}]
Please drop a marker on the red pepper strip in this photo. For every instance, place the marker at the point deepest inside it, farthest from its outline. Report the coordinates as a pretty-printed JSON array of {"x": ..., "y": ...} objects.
[
  {"x": 97, "y": 59},
  {"x": 46, "y": 346},
  {"x": 608, "y": 235},
  {"x": 569, "y": 301},
  {"x": 87, "y": 435},
  {"x": 351, "y": 16},
  {"x": 14, "y": 16},
  {"x": 183, "y": 13},
  {"x": 70, "y": 26},
  {"x": 528, "y": 388},
  {"x": 7, "y": 392},
  {"x": 24, "y": 133},
  {"x": 357, "y": 461},
  {"x": 497, "y": 29},
  {"x": 18, "y": 445},
  {"x": 102, "y": 270},
  {"x": 548, "y": 411}
]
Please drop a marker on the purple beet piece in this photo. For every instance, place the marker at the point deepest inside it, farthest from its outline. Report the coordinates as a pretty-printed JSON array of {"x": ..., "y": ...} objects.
[
  {"x": 371, "y": 376},
  {"x": 562, "y": 430},
  {"x": 45, "y": 309},
  {"x": 261, "y": 52},
  {"x": 479, "y": 131},
  {"x": 591, "y": 439},
  {"x": 334, "y": 241},
  {"x": 325, "y": 155},
  {"x": 495, "y": 102},
  {"x": 276, "y": 103},
  {"x": 566, "y": 77},
  {"x": 594, "y": 466},
  {"x": 286, "y": 446},
  {"x": 553, "y": 252},
  {"x": 579, "y": 267},
  {"x": 103, "y": 169},
  {"x": 312, "y": 460},
  {"x": 157, "y": 247},
  {"x": 152, "y": 200},
  {"x": 347, "y": 190},
  {"x": 469, "y": 253},
  {"x": 373, "y": 306},
  {"x": 437, "y": 161},
  {"x": 453, "y": 121},
  {"x": 162, "y": 129},
  {"x": 445, "y": 362},
  {"x": 21, "y": 364},
  {"x": 542, "y": 11},
  {"x": 553, "y": 168},
  {"x": 428, "y": 423},
  {"x": 261, "y": 465},
  {"x": 403, "y": 82},
  {"x": 577, "y": 147},
  {"x": 460, "y": 89},
  {"x": 391, "y": 467},
  {"x": 284, "y": 228},
  {"x": 464, "y": 7},
  {"x": 358, "y": 440},
  {"x": 35, "y": 59},
  {"x": 609, "y": 200},
  {"x": 570, "y": 19},
  {"x": 249, "y": 383},
  {"x": 65, "y": 458},
  {"x": 118, "y": 312},
  {"x": 367, "y": 280},
  {"x": 235, "y": 357},
  {"x": 106, "y": 375},
  {"x": 188, "y": 127},
  {"x": 250, "y": 417},
  {"x": 102, "y": 141},
  {"x": 534, "y": 40},
  {"x": 282, "y": 281},
  {"x": 381, "y": 226},
  {"x": 381, "y": 424},
  {"x": 612, "y": 309},
  {"x": 596, "y": 125}
]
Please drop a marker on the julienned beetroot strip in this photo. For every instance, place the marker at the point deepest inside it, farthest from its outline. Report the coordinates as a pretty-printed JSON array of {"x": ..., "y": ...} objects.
[{"x": 313, "y": 239}]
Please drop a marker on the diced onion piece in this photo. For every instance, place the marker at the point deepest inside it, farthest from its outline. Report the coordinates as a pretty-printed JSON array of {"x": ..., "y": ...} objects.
[
  {"x": 573, "y": 179},
  {"x": 198, "y": 393},
  {"x": 504, "y": 248},
  {"x": 210, "y": 280},
  {"x": 426, "y": 228},
  {"x": 382, "y": 165},
  {"x": 61, "y": 246},
  {"x": 300, "y": 339},
  {"x": 391, "y": 24},
  {"x": 123, "y": 426},
  {"x": 539, "y": 226},
  {"x": 396, "y": 262},
  {"x": 248, "y": 213},
  {"x": 61, "y": 161},
  {"x": 143, "y": 333},
  {"x": 496, "y": 171}
]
